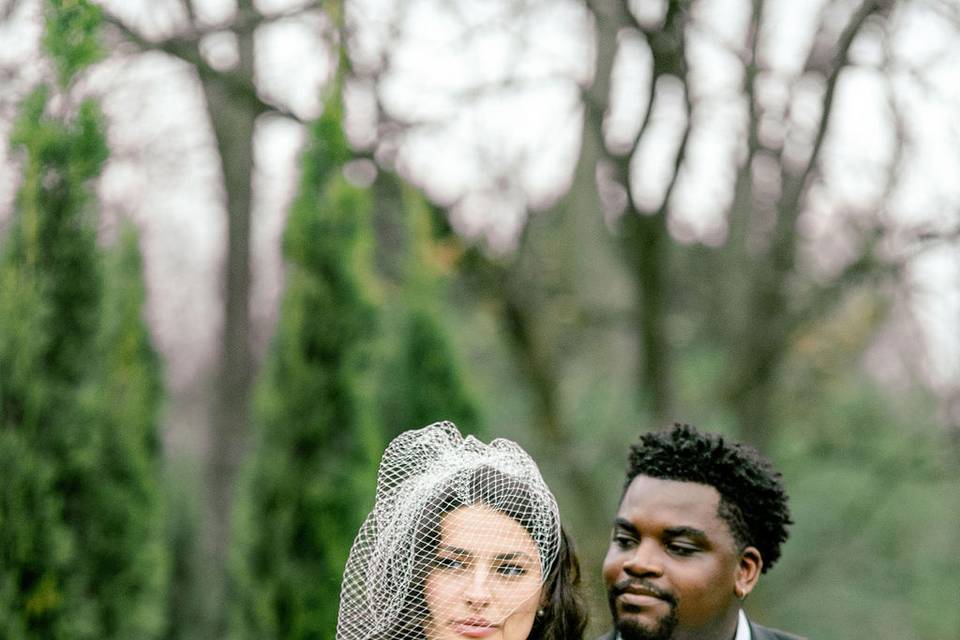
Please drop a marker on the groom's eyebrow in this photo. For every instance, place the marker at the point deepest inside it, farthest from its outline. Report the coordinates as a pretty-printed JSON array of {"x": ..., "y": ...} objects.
[
  {"x": 623, "y": 523},
  {"x": 686, "y": 532}
]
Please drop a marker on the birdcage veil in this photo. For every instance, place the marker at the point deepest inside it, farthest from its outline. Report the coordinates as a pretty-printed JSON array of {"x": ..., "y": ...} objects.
[{"x": 401, "y": 572}]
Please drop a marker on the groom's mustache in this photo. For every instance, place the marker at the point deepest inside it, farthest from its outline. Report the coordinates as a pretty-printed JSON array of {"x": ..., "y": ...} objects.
[{"x": 643, "y": 587}]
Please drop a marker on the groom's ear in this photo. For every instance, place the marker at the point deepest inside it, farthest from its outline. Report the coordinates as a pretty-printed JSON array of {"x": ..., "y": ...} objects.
[{"x": 749, "y": 567}]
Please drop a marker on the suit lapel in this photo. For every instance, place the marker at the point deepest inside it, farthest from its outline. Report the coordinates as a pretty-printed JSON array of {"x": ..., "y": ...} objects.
[{"x": 759, "y": 633}]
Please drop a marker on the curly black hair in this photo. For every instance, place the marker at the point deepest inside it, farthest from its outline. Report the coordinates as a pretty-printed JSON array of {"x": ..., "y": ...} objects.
[{"x": 753, "y": 501}]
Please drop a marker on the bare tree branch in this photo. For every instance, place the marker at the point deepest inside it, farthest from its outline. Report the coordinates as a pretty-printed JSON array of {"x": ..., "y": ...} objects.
[
  {"x": 646, "y": 240},
  {"x": 947, "y": 8},
  {"x": 740, "y": 207},
  {"x": 8, "y": 9},
  {"x": 771, "y": 318},
  {"x": 794, "y": 185},
  {"x": 866, "y": 267},
  {"x": 187, "y": 50}
]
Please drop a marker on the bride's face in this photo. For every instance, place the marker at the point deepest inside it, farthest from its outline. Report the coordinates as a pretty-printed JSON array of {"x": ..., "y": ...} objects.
[{"x": 486, "y": 581}]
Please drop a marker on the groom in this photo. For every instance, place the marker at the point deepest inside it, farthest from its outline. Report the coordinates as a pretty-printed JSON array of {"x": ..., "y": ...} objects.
[{"x": 699, "y": 520}]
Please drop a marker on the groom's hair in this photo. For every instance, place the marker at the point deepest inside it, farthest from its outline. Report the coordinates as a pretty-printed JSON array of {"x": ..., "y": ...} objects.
[{"x": 753, "y": 502}]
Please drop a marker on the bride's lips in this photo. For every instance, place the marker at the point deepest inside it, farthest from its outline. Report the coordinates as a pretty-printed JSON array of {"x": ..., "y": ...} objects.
[{"x": 474, "y": 627}]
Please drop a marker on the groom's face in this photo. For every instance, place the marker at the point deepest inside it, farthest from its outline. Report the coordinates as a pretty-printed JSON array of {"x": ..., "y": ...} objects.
[{"x": 672, "y": 567}]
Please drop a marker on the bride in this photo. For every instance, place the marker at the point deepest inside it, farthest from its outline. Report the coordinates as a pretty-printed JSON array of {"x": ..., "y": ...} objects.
[{"x": 464, "y": 541}]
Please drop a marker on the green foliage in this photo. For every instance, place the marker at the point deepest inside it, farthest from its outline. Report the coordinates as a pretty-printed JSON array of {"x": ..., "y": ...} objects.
[
  {"x": 429, "y": 385},
  {"x": 72, "y": 36},
  {"x": 25, "y": 396},
  {"x": 53, "y": 240},
  {"x": 872, "y": 495},
  {"x": 48, "y": 318},
  {"x": 422, "y": 381},
  {"x": 35, "y": 546},
  {"x": 132, "y": 368},
  {"x": 300, "y": 506},
  {"x": 119, "y": 515},
  {"x": 79, "y": 389}
]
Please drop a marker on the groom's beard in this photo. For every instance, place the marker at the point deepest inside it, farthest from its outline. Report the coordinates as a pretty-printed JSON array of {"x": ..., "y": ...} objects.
[{"x": 633, "y": 629}]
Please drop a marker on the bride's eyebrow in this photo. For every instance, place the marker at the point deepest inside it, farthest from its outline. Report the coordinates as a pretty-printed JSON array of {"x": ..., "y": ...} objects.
[
  {"x": 457, "y": 551},
  {"x": 515, "y": 555}
]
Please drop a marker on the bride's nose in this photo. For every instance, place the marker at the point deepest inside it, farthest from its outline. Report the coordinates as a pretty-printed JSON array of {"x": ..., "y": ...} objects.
[{"x": 477, "y": 590}]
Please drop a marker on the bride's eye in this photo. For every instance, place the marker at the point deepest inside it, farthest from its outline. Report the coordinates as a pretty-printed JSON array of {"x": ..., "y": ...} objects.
[
  {"x": 448, "y": 562},
  {"x": 511, "y": 570}
]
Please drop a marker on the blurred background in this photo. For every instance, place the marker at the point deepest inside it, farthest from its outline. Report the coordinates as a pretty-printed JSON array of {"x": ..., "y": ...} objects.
[{"x": 245, "y": 243}]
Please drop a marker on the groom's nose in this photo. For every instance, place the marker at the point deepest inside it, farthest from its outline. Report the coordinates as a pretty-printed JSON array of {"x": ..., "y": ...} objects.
[{"x": 646, "y": 559}]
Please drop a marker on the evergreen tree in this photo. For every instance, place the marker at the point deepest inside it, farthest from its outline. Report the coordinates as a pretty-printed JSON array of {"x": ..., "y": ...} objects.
[
  {"x": 48, "y": 314},
  {"x": 122, "y": 527},
  {"x": 77, "y": 405},
  {"x": 432, "y": 387},
  {"x": 302, "y": 507},
  {"x": 35, "y": 547},
  {"x": 423, "y": 382}
]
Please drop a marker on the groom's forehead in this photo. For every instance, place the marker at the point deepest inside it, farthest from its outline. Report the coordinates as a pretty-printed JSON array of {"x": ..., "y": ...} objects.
[{"x": 665, "y": 498}]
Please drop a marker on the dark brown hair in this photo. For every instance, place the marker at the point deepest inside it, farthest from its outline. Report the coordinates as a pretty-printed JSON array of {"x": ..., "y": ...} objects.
[{"x": 564, "y": 614}]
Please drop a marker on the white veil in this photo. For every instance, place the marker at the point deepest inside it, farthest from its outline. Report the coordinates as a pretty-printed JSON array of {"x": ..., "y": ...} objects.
[{"x": 424, "y": 475}]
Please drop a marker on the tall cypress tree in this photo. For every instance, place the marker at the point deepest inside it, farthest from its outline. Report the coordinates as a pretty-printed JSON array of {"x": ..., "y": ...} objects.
[
  {"x": 123, "y": 528},
  {"x": 302, "y": 504},
  {"x": 74, "y": 517},
  {"x": 432, "y": 387},
  {"x": 423, "y": 380},
  {"x": 49, "y": 303}
]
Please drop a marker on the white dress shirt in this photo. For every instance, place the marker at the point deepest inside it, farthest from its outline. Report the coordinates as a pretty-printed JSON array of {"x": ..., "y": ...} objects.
[{"x": 743, "y": 627}]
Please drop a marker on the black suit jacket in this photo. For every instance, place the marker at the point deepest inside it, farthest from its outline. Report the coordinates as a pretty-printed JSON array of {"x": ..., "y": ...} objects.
[
  {"x": 757, "y": 632},
  {"x": 764, "y": 633}
]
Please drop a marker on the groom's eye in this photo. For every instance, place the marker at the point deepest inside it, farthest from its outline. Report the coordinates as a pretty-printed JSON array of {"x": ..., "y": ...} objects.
[
  {"x": 682, "y": 548},
  {"x": 622, "y": 540}
]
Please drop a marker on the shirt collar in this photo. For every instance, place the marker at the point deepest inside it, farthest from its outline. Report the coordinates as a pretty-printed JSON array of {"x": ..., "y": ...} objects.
[{"x": 743, "y": 627}]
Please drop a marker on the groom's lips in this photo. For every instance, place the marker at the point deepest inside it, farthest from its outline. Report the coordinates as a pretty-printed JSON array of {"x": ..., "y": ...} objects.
[
  {"x": 639, "y": 596},
  {"x": 633, "y": 600}
]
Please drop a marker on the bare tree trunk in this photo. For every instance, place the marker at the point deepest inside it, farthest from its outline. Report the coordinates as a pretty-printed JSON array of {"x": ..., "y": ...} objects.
[
  {"x": 647, "y": 248},
  {"x": 646, "y": 242},
  {"x": 233, "y": 118},
  {"x": 233, "y": 106},
  {"x": 390, "y": 224}
]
